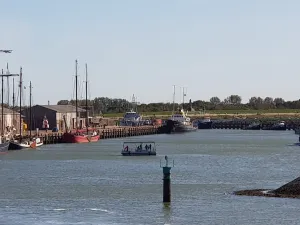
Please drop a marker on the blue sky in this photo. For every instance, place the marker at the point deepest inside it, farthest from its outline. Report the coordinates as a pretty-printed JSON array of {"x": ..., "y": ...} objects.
[{"x": 212, "y": 47}]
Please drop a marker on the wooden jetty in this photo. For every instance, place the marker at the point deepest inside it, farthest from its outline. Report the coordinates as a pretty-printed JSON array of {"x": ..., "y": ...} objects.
[{"x": 105, "y": 133}]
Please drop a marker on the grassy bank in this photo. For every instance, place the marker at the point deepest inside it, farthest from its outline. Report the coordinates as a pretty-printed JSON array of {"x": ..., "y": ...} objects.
[{"x": 221, "y": 113}]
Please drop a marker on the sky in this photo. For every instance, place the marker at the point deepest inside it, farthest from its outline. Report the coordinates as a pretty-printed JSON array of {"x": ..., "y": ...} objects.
[{"x": 211, "y": 47}]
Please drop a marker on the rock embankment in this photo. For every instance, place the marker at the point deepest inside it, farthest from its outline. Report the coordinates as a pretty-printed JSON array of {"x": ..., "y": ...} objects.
[{"x": 289, "y": 190}]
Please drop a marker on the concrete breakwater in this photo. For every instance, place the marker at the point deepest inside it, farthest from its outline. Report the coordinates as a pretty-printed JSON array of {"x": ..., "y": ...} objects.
[
  {"x": 112, "y": 132},
  {"x": 290, "y": 124}
]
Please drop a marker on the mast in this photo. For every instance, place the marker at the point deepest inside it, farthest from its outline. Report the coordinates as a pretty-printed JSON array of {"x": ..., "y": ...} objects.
[
  {"x": 76, "y": 95},
  {"x": 2, "y": 110},
  {"x": 30, "y": 113},
  {"x": 183, "y": 95},
  {"x": 7, "y": 75},
  {"x": 13, "y": 106},
  {"x": 173, "y": 99},
  {"x": 21, "y": 102},
  {"x": 86, "y": 99},
  {"x": 7, "y": 72}
]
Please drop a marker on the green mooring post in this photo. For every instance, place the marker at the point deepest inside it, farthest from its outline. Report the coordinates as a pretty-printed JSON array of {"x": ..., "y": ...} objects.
[{"x": 167, "y": 181}]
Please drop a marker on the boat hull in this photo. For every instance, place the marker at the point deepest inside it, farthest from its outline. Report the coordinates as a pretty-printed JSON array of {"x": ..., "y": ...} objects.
[
  {"x": 138, "y": 153},
  {"x": 276, "y": 127},
  {"x": 253, "y": 127},
  {"x": 205, "y": 125},
  {"x": 172, "y": 126},
  {"x": 17, "y": 146},
  {"x": 4, "y": 147},
  {"x": 73, "y": 138}
]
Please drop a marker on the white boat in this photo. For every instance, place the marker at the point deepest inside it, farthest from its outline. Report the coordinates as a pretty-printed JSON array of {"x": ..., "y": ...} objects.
[
  {"x": 37, "y": 142},
  {"x": 131, "y": 148},
  {"x": 131, "y": 118}
]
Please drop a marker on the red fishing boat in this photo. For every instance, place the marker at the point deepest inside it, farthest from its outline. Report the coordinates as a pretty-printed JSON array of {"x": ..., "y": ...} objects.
[{"x": 80, "y": 136}]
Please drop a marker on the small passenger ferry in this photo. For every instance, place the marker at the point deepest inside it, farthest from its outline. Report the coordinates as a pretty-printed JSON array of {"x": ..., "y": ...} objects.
[{"x": 131, "y": 148}]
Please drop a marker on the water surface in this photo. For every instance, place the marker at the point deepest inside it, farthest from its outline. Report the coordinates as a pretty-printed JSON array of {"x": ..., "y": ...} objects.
[{"x": 94, "y": 184}]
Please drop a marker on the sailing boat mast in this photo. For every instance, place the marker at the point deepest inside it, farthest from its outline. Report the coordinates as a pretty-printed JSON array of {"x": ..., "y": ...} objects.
[
  {"x": 30, "y": 113},
  {"x": 86, "y": 100},
  {"x": 13, "y": 106},
  {"x": 21, "y": 83},
  {"x": 7, "y": 75},
  {"x": 7, "y": 78},
  {"x": 76, "y": 106},
  {"x": 2, "y": 110}
]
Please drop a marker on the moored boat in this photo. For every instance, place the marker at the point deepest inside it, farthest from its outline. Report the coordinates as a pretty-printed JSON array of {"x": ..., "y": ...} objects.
[
  {"x": 19, "y": 144},
  {"x": 131, "y": 118},
  {"x": 179, "y": 123},
  {"x": 80, "y": 136},
  {"x": 253, "y": 126},
  {"x": 131, "y": 148},
  {"x": 26, "y": 143},
  {"x": 205, "y": 123},
  {"x": 277, "y": 126}
]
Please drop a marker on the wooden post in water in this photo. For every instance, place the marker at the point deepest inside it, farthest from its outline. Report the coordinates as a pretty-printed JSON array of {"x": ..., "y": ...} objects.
[{"x": 167, "y": 181}]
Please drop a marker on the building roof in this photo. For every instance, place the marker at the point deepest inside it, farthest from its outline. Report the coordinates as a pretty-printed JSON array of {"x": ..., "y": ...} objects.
[
  {"x": 63, "y": 108},
  {"x": 8, "y": 111}
]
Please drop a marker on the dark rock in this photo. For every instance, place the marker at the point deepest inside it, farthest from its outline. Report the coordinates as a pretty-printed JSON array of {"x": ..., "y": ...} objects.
[{"x": 289, "y": 190}]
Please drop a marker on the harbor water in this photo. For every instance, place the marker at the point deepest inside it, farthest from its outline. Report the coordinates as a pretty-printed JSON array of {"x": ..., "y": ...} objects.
[{"x": 93, "y": 184}]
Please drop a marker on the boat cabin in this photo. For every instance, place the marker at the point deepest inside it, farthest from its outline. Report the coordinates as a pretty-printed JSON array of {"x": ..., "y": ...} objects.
[
  {"x": 180, "y": 117},
  {"x": 139, "y": 148},
  {"x": 132, "y": 116}
]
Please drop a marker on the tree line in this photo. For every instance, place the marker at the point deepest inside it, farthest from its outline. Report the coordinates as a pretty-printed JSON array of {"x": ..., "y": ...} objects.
[{"x": 233, "y": 102}]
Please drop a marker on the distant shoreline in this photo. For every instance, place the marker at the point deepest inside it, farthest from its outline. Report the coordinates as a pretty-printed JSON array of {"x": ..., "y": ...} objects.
[{"x": 224, "y": 114}]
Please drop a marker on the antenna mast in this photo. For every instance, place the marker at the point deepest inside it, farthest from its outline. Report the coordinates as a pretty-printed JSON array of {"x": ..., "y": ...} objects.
[
  {"x": 173, "y": 99},
  {"x": 183, "y": 95}
]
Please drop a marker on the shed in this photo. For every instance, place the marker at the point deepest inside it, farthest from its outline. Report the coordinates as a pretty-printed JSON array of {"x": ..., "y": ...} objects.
[{"x": 55, "y": 116}]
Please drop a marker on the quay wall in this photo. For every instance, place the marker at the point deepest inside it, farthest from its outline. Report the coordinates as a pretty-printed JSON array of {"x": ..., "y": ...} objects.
[{"x": 291, "y": 124}]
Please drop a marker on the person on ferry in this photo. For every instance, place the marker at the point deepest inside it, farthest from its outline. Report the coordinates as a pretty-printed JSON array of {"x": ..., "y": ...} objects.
[{"x": 146, "y": 147}]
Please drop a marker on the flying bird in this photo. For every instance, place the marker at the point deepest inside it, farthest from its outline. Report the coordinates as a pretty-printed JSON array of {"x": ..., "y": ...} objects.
[{"x": 6, "y": 51}]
